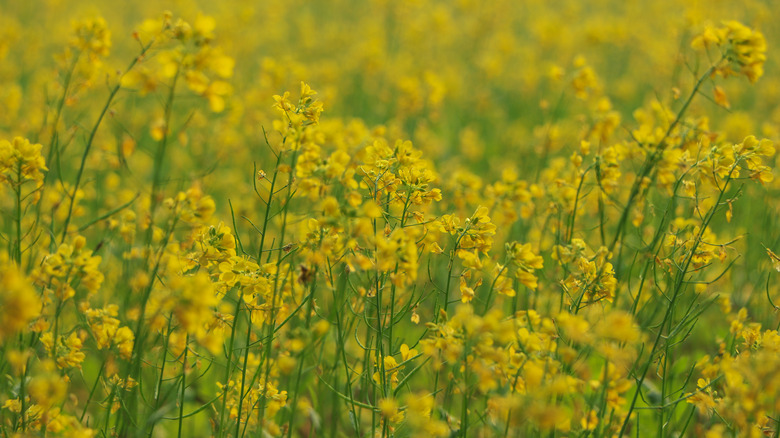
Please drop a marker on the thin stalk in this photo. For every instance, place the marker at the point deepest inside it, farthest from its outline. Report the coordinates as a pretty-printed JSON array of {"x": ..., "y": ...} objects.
[
  {"x": 91, "y": 139},
  {"x": 260, "y": 250},
  {"x": 159, "y": 156},
  {"x": 307, "y": 325},
  {"x": 653, "y": 159},
  {"x": 279, "y": 257},
  {"x": 53, "y": 137},
  {"x": 464, "y": 414},
  {"x": 23, "y": 396},
  {"x": 342, "y": 354},
  {"x": 243, "y": 371},
  {"x": 92, "y": 391},
  {"x": 135, "y": 361},
  {"x": 158, "y": 390},
  {"x": 229, "y": 366},
  {"x": 17, "y": 249},
  {"x": 647, "y": 168},
  {"x": 183, "y": 384},
  {"x": 679, "y": 280}
]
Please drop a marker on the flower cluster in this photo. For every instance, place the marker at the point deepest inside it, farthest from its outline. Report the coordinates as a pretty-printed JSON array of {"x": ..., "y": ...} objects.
[
  {"x": 739, "y": 386},
  {"x": 743, "y": 47},
  {"x": 20, "y": 162},
  {"x": 19, "y": 301}
]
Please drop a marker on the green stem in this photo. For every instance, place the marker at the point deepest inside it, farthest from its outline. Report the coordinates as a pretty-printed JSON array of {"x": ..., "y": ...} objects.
[
  {"x": 301, "y": 356},
  {"x": 23, "y": 395},
  {"x": 229, "y": 365},
  {"x": 17, "y": 248},
  {"x": 339, "y": 304},
  {"x": 135, "y": 357},
  {"x": 91, "y": 139},
  {"x": 159, "y": 157},
  {"x": 53, "y": 138},
  {"x": 271, "y": 328},
  {"x": 243, "y": 370},
  {"x": 158, "y": 389},
  {"x": 652, "y": 160},
  {"x": 260, "y": 251},
  {"x": 678, "y": 286},
  {"x": 183, "y": 384},
  {"x": 464, "y": 415}
]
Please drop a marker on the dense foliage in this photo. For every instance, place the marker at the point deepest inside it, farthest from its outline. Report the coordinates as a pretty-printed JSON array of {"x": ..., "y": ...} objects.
[{"x": 490, "y": 219}]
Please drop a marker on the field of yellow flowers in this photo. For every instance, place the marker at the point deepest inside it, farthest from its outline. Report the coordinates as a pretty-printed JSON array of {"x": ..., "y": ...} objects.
[{"x": 411, "y": 218}]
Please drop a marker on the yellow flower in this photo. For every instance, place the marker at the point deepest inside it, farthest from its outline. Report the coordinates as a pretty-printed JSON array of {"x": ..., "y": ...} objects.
[
  {"x": 19, "y": 301},
  {"x": 590, "y": 421},
  {"x": 196, "y": 299},
  {"x": 47, "y": 388},
  {"x": 388, "y": 407},
  {"x": 407, "y": 353},
  {"x": 745, "y": 48},
  {"x": 618, "y": 326},
  {"x": 419, "y": 407},
  {"x": 22, "y": 161},
  {"x": 92, "y": 36},
  {"x": 466, "y": 292}
]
